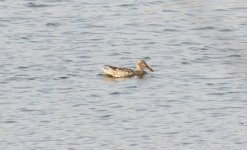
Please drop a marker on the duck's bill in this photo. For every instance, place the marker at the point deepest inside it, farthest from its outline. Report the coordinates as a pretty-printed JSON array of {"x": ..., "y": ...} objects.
[{"x": 150, "y": 69}]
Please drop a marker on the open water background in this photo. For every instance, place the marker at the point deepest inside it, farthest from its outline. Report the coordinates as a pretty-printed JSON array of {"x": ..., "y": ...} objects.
[{"x": 53, "y": 94}]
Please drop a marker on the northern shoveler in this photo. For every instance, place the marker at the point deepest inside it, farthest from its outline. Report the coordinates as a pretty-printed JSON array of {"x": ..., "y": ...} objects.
[{"x": 126, "y": 72}]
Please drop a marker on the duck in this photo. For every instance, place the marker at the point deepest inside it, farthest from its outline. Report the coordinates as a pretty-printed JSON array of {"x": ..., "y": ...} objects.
[{"x": 121, "y": 72}]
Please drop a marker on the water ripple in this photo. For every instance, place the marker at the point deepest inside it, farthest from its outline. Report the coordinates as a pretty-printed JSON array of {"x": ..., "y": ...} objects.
[{"x": 54, "y": 95}]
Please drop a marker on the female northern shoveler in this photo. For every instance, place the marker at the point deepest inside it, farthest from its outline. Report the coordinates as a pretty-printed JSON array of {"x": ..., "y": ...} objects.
[{"x": 126, "y": 72}]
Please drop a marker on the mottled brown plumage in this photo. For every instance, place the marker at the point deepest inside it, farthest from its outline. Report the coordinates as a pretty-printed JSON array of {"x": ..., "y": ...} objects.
[{"x": 126, "y": 72}]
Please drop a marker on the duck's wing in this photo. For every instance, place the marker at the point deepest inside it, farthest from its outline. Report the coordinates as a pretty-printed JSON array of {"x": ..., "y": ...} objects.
[{"x": 118, "y": 71}]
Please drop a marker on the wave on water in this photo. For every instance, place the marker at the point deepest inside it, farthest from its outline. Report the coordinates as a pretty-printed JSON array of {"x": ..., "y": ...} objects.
[{"x": 34, "y": 5}]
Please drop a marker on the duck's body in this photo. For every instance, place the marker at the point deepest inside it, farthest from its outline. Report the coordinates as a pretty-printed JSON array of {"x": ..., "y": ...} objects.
[
  {"x": 126, "y": 72},
  {"x": 118, "y": 71}
]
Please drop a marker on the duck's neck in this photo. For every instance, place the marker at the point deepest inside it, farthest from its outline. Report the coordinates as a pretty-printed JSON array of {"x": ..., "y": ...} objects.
[{"x": 139, "y": 71}]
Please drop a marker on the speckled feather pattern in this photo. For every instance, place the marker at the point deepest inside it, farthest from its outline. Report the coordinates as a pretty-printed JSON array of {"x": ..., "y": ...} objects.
[{"x": 118, "y": 71}]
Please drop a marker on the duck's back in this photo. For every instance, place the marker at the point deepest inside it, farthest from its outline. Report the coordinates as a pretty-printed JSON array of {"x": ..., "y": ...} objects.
[{"x": 118, "y": 71}]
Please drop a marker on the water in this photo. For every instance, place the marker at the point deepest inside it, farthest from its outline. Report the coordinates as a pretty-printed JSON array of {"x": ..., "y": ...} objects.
[{"x": 53, "y": 94}]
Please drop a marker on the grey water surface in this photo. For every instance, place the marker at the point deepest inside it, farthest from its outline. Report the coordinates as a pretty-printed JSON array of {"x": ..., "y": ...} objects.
[{"x": 53, "y": 95}]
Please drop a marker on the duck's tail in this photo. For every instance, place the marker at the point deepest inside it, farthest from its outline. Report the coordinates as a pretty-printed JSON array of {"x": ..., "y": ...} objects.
[{"x": 106, "y": 69}]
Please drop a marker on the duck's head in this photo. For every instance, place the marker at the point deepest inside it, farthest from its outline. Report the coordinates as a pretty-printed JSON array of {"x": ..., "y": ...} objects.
[{"x": 141, "y": 65}]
